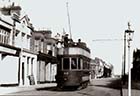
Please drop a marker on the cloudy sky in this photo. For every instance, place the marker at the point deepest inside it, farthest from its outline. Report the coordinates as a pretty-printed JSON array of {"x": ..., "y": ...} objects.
[{"x": 90, "y": 20}]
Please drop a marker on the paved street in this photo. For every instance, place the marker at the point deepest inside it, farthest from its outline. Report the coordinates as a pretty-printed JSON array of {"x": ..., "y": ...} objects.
[{"x": 98, "y": 87}]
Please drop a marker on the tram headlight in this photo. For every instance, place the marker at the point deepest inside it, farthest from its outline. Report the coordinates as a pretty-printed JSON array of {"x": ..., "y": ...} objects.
[{"x": 65, "y": 79}]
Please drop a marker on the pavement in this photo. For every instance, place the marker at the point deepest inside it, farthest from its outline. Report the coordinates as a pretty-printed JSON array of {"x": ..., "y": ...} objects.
[
  {"x": 116, "y": 84},
  {"x": 134, "y": 92},
  {"x": 7, "y": 90},
  {"x": 135, "y": 88}
]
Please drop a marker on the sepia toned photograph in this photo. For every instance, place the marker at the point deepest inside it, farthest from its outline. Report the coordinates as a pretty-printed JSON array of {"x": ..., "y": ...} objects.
[{"x": 70, "y": 47}]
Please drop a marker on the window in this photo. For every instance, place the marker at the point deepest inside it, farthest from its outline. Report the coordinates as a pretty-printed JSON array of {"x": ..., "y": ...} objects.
[
  {"x": 28, "y": 58},
  {"x": 42, "y": 46},
  {"x": 17, "y": 32},
  {"x": 84, "y": 65},
  {"x": 32, "y": 61},
  {"x": 4, "y": 36},
  {"x": 79, "y": 63},
  {"x": 36, "y": 45},
  {"x": 28, "y": 41},
  {"x": 23, "y": 37},
  {"x": 88, "y": 65},
  {"x": 66, "y": 63},
  {"x": 73, "y": 63}
]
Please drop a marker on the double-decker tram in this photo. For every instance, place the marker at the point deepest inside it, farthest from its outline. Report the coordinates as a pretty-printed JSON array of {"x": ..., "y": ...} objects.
[{"x": 73, "y": 68}]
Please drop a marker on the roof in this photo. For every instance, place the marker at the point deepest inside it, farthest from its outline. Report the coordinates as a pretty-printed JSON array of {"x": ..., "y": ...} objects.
[{"x": 11, "y": 8}]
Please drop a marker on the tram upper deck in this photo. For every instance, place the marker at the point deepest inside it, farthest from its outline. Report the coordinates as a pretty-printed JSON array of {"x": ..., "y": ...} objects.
[{"x": 75, "y": 48}]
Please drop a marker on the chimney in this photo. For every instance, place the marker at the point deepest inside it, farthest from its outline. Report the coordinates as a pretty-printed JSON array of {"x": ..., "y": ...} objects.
[{"x": 9, "y": 10}]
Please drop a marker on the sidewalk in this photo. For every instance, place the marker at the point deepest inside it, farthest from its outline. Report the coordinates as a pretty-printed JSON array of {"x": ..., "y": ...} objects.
[
  {"x": 6, "y": 90},
  {"x": 135, "y": 89},
  {"x": 134, "y": 92}
]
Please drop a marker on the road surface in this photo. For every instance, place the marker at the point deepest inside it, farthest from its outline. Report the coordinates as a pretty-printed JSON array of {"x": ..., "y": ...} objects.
[{"x": 97, "y": 87}]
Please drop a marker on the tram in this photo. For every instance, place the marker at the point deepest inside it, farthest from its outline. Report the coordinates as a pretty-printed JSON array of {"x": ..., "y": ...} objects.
[{"x": 74, "y": 63}]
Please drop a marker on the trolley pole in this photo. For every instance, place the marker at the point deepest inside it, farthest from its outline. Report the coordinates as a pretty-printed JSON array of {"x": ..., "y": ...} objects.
[{"x": 69, "y": 23}]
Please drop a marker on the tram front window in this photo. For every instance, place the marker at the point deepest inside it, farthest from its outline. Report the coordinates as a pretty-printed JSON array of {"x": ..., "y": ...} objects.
[
  {"x": 79, "y": 63},
  {"x": 73, "y": 63},
  {"x": 66, "y": 63}
]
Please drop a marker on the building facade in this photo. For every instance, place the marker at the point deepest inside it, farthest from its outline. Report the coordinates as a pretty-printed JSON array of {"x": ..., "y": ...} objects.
[
  {"x": 15, "y": 53},
  {"x": 9, "y": 54},
  {"x": 100, "y": 69},
  {"x": 28, "y": 58},
  {"x": 45, "y": 46}
]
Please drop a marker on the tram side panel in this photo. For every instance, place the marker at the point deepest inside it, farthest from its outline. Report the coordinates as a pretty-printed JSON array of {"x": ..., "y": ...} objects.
[{"x": 72, "y": 77}]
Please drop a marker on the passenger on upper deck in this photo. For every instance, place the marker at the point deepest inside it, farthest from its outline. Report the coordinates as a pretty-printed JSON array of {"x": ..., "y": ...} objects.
[{"x": 66, "y": 40}]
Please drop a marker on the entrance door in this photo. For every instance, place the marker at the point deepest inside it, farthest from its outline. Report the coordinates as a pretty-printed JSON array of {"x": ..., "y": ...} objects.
[{"x": 23, "y": 77}]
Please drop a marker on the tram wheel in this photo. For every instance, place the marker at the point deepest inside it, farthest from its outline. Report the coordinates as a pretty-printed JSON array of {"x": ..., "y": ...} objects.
[{"x": 84, "y": 85}]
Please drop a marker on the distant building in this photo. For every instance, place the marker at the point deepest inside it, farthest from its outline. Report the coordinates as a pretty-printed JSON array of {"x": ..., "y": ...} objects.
[
  {"x": 94, "y": 69},
  {"x": 100, "y": 69},
  {"x": 45, "y": 46}
]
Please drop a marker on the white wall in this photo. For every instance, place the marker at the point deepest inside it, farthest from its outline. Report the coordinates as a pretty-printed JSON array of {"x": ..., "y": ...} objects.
[
  {"x": 48, "y": 72},
  {"x": 23, "y": 41},
  {"x": 8, "y": 70},
  {"x": 42, "y": 71},
  {"x": 28, "y": 67}
]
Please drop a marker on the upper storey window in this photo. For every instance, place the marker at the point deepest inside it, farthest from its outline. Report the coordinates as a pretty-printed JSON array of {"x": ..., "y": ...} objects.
[
  {"x": 4, "y": 36},
  {"x": 37, "y": 45}
]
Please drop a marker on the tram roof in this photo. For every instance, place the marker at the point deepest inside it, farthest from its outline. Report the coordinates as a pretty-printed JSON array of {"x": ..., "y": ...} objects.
[{"x": 79, "y": 45}]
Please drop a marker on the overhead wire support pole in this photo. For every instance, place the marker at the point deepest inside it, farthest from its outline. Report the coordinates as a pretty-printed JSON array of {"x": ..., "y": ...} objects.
[
  {"x": 129, "y": 32},
  {"x": 69, "y": 23},
  {"x": 124, "y": 77}
]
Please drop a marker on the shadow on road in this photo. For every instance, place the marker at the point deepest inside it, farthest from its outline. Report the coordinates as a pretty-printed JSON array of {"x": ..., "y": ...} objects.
[
  {"x": 70, "y": 89},
  {"x": 115, "y": 84},
  {"x": 134, "y": 85}
]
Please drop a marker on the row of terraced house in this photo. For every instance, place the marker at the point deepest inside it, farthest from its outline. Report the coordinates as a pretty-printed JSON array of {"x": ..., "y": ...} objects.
[{"x": 27, "y": 56}]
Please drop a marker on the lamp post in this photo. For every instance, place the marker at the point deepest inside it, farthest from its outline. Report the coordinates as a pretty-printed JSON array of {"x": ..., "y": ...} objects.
[
  {"x": 129, "y": 38},
  {"x": 124, "y": 77}
]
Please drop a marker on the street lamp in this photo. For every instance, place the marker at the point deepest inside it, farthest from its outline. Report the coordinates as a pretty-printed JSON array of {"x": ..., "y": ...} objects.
[{"x": 129, "y": 33}]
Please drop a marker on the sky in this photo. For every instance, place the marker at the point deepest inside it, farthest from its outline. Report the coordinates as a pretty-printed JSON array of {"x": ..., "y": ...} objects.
[{"x": 90, "y": 20}]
